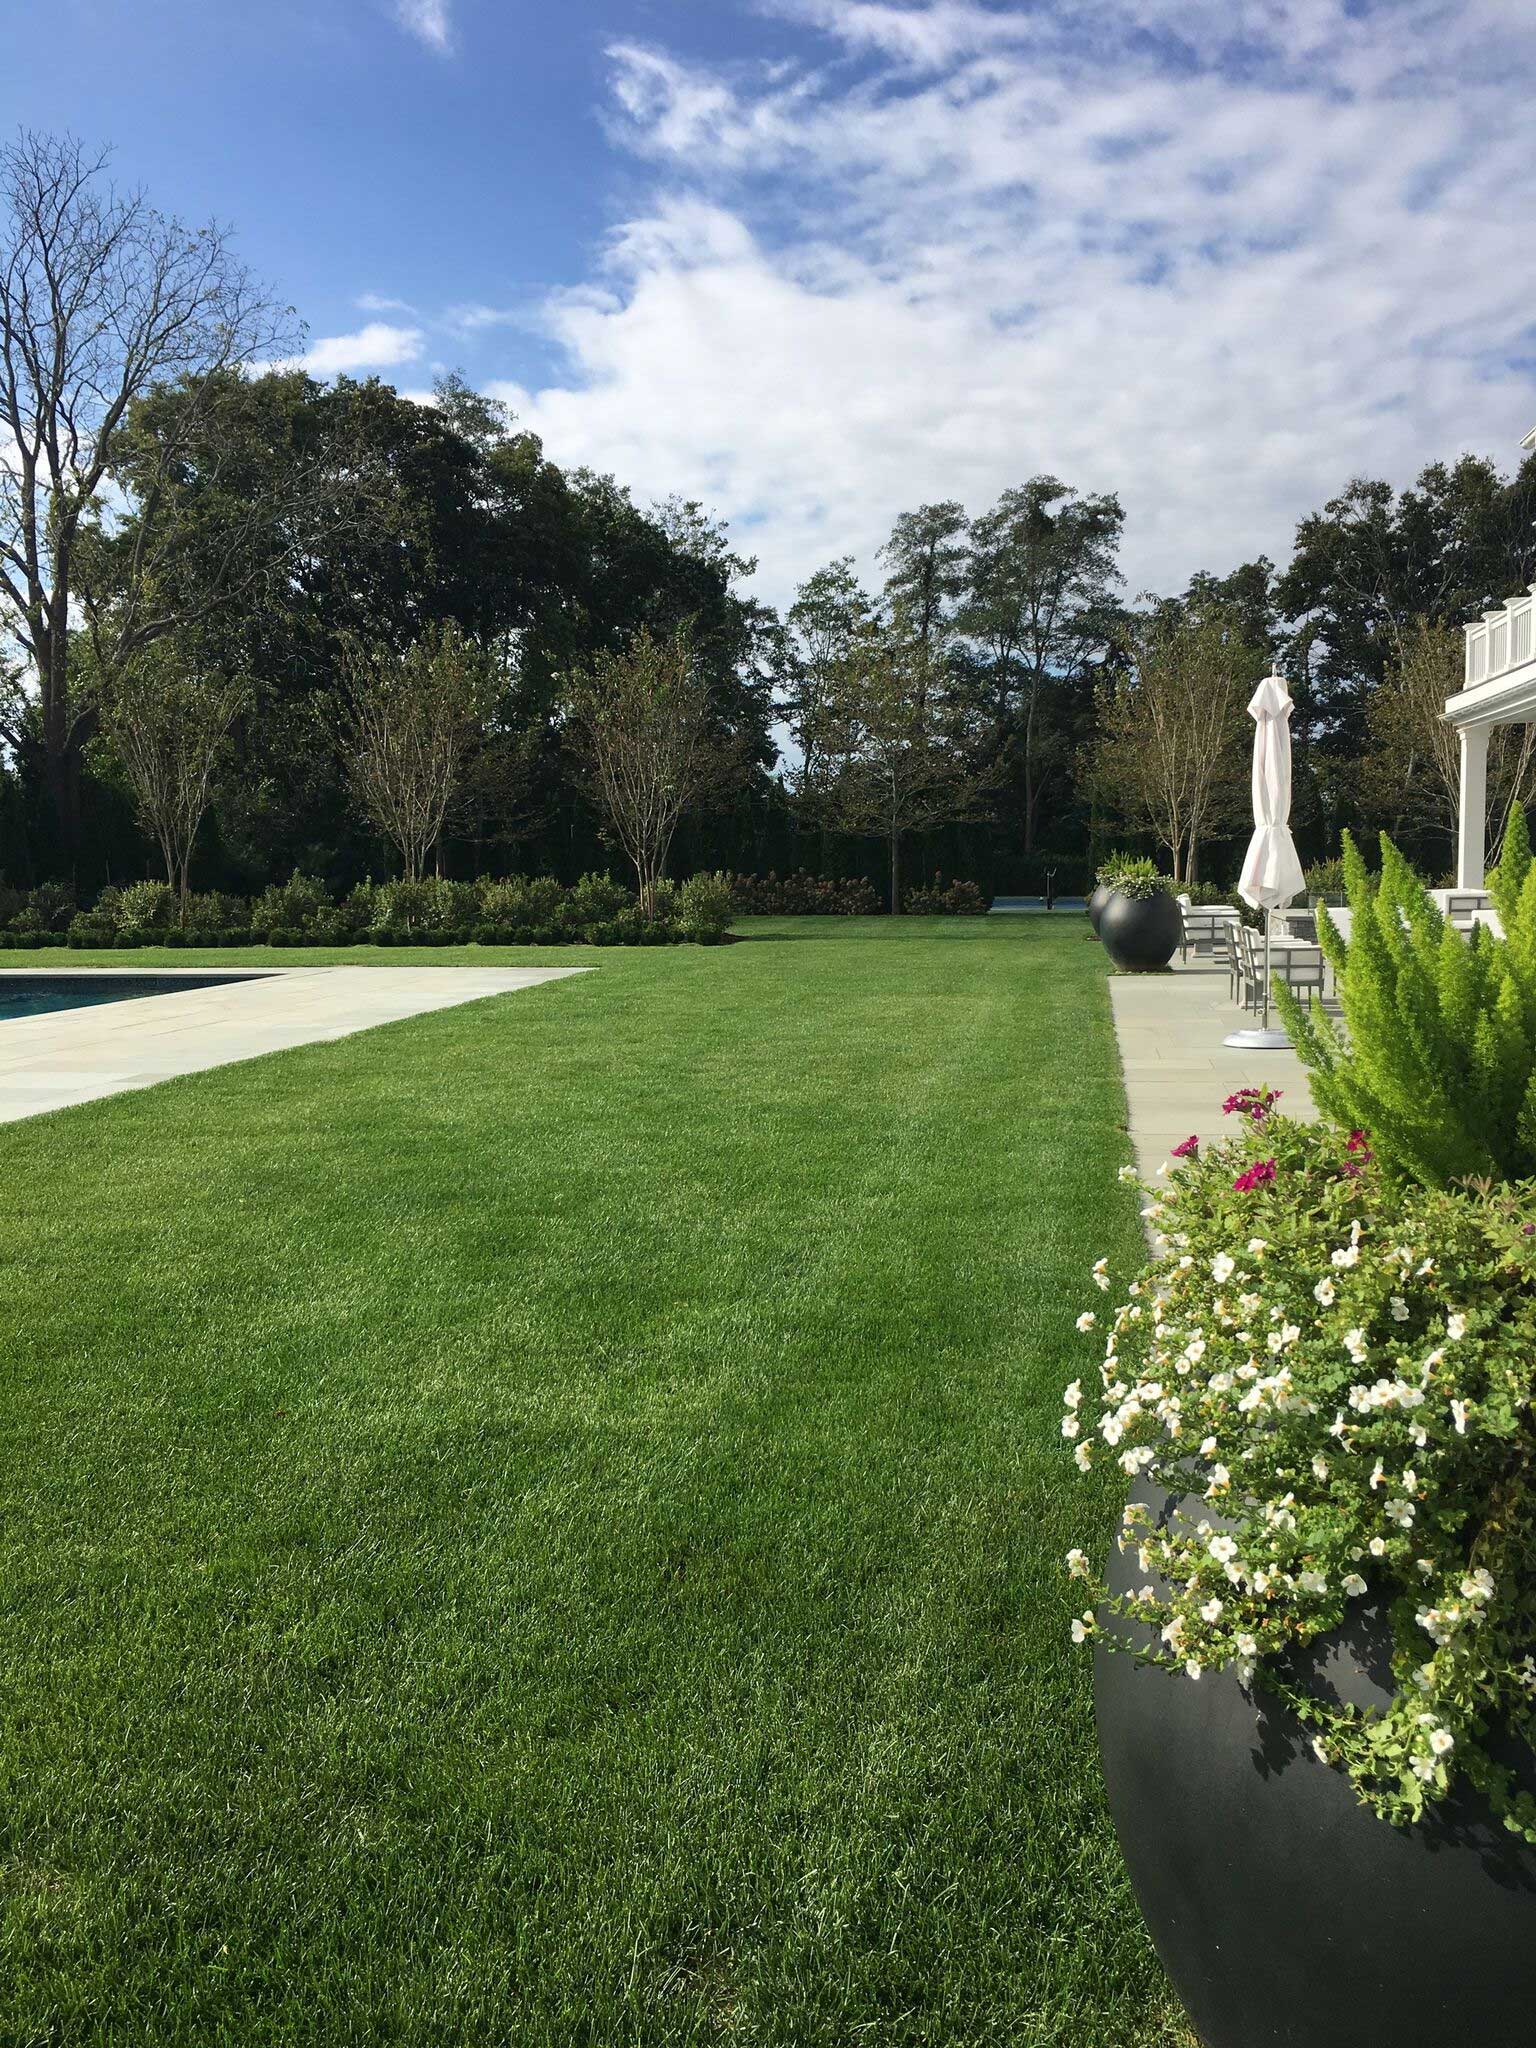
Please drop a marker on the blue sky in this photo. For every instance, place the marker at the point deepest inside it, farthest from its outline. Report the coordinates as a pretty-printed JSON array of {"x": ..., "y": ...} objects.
[{"x": 818, "y": 260}]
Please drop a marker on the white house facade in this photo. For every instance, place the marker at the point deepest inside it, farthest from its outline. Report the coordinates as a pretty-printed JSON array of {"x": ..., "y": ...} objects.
[{"x": 1499, "y": 689}]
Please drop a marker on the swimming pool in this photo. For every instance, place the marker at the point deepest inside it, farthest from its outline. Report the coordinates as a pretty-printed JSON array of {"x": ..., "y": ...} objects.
[{"x": 28, "y": 994}]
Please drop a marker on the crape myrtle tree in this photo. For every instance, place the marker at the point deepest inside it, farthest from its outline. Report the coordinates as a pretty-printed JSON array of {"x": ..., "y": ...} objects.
[
  {"x": 167, "y": 717},
  {"x": 101, "y": 298},
  {"x": 1174, "y": 742},
  {"x": 648, "y": 731},
  {"x": 411, "y": 724}
]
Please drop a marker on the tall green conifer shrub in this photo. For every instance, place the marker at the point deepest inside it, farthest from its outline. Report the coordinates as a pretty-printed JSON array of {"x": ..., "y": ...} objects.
[{"x": 1436, "y": 1056}]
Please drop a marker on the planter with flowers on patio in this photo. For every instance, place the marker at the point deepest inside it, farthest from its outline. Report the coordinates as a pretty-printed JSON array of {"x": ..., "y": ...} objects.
[
  {"x": 1141, "y": 924},
  {"x": 1316, "y": 1669}
]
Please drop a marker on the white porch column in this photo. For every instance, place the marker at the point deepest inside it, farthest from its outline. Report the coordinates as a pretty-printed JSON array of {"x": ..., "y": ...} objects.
[{"x": 1471, "y": 824}]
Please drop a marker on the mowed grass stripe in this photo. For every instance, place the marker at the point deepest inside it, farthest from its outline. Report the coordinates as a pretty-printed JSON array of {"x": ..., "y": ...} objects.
[{"x": 542, "y": 1523}]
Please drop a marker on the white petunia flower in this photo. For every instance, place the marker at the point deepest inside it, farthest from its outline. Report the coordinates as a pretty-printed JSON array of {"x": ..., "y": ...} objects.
[
  {"x": 1455, "y": 1326},
  {"x": 1347, "y": 1255},
  {"x": 1084, "y": 1457},
  {"x": 1223, "y": 1266},
  {"x": 1257, "y": 1247},
  {"x": 1442, "y": 1741},
  {"x": 1248, "y": 1646},
  {"x": 1087, "y": 1320},
  {"x": 1192, "y": 1669},
  {"x": 1401, "y": 1512},
  {"x": 1074, "y": 1395},
  {"x": 1077, "y": 1564},
  {"x": 1070, "y": 1427},
  {"x": 1223, "y": 1549},
  {"x": 1353, "y": 1584},
  {"x": 1101, "y": 1274},
  {"x": 1378, "y": 1546},
  {"x": 1082, "y": 1629},
  {"x": 1313, "y": 1582},
  {"x": 1326, "y": 1292},
  {"x": 1459, "y": 1416},
  {"x": 1211, "y": 1611},
  {"x": 1355, "y": 1345},
  {"x": 1399, "y": 1308},
  {"x": 1126, "y": 1173}
]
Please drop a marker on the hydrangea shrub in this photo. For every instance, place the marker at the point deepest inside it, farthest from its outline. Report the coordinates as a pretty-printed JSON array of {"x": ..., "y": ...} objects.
[{"x": 1335, "y": 1375}]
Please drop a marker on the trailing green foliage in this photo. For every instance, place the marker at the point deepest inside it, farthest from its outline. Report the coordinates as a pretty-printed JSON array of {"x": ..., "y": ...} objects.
[
  {"x": 1436, "y": 1055},
  {"x": 1135, "y": 876}
]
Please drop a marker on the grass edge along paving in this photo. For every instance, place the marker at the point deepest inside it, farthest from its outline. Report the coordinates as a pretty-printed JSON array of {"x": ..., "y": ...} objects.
[{"x": 542, "y": 1523}]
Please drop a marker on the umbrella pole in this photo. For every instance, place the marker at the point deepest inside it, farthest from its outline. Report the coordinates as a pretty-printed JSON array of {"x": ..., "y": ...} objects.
[
  {"x": 1269, "y": 921},
  {"x": 1263, "y": 1036}
]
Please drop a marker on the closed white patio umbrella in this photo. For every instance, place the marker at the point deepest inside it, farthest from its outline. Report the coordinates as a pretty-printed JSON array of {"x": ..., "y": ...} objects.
[{"x": 1272, "y": 873}]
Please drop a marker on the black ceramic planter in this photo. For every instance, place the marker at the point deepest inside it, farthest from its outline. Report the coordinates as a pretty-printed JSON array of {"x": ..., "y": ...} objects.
[
  {"x": 1096, "y": 903},
  {"x": 1284, "y": 1911},
  {"x": 1141, "y": 933}
]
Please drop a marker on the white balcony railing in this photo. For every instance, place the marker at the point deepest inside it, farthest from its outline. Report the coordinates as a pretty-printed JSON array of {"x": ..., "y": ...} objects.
[{"x": 1502, "y": 640}]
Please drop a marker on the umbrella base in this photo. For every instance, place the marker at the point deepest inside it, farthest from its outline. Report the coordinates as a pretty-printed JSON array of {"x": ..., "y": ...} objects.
[{"x": 1257, "y": 1038}]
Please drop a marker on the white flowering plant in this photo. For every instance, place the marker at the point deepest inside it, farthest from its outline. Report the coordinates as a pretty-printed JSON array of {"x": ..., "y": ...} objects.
[{"x": 1333, "y": 1375}]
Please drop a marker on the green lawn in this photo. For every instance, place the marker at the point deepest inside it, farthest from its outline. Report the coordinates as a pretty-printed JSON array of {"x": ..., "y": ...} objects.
[{"x": 542, "y": 1524}]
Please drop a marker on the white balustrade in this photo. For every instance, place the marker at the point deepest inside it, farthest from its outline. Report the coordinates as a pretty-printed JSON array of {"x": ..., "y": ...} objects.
[{"x": 1501, "y": 640}]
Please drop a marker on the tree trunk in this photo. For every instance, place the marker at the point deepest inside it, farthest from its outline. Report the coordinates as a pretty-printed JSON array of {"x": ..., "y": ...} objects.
[{"x": 895, "y": 873}]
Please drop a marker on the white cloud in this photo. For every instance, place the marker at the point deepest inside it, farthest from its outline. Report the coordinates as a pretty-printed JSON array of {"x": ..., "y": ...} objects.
[
  {"x": 378, "y": 346},
  {"x": 378, "y": 302},
  {"x": 475, "y": 319},
  {"x": 1219, "y": 255},
  {"x": 430, "y": 21}
]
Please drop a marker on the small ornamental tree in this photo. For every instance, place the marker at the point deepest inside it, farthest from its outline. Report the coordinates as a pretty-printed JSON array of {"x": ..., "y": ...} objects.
[
  {"x": 1436, "y": 1056},
  {"x": 168, "y": 718},
  {"x": 412, "y": 724},
  {"x": 653, "y": 743}
]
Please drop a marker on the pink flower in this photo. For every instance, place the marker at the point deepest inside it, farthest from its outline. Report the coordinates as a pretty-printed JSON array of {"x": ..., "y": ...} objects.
[
  {"x": 1357, "y": 1144},
  {"x": 1258, "y": 1175},
  {"x": 1252, "y": 1102},
  {"x": 1190, "y": 1149}
]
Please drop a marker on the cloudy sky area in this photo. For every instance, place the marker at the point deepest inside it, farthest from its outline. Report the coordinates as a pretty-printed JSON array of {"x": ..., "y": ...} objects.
[{"x": 815, "y": 261}]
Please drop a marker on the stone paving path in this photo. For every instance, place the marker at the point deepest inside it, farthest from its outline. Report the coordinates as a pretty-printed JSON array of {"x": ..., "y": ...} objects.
[
  {"x": 68, "y": 1056},
  {"x": 1177, "y": 1071}
]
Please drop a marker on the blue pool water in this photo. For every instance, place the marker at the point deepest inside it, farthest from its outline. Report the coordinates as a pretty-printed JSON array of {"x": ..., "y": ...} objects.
[{"x": 26, "y": 994}]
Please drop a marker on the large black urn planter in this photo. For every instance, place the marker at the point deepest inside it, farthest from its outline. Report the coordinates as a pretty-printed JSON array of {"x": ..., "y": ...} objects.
[
  {"x": 1097, "y": 901},
  {"x": 1141, "y": 933},
  {"x": 1285, "y": 1912}
]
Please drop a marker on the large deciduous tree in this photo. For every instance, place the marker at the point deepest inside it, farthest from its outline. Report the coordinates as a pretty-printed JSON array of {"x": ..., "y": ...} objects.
[
  {"x": 895, "y": 745},
  {"x": 822, "y": 627},
  {"x": 1039, "y": 612},
  {"x": 926, "y": 560},
  {"x": 101, "y": 297}
]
